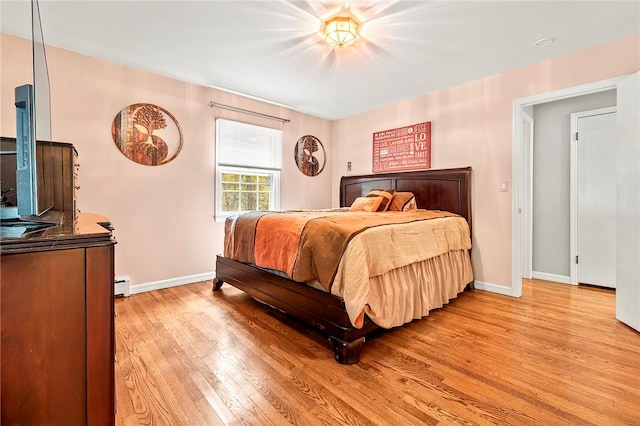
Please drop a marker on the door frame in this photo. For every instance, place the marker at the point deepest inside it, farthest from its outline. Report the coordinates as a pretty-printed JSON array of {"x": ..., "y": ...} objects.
[
  {"x": 520, "y": 168},
  {"x": 527, "y": 195},
  {"x": 573, "y": 187}
]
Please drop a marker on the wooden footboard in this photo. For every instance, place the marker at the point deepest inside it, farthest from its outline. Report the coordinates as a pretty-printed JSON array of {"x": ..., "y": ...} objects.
[{"x": 321, "y": 310}]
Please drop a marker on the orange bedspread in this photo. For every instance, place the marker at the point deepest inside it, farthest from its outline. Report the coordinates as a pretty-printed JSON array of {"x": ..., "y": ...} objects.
[
  {"x": 306, "y": 245},
  {"x": 392, "y": 266}
]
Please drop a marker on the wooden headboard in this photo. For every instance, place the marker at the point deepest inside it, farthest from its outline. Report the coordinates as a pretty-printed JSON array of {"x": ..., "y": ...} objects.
[{"x": 444, "y": 189}]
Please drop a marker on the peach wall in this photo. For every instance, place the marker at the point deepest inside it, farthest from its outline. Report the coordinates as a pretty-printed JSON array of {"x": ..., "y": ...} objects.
[
  {"x": 163, "y": 215},
  {"x": 472, "y": 126}
]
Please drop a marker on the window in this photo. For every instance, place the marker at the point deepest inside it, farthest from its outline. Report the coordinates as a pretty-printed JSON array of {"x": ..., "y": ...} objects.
[{"x": 249, "y": 160}]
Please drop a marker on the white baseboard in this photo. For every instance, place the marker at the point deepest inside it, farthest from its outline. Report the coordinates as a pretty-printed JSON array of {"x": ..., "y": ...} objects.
[
  {"x": 551, "y": 277},
  {"x": 158, "y": 285},
  {"x": 494, "y": 288}
]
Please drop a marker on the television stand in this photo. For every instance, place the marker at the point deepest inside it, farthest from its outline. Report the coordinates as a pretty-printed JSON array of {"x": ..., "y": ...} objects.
[{"x": 57, "y": 324}]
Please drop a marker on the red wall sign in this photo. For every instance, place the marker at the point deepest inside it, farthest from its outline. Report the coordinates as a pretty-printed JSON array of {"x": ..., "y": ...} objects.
[{"x": 404, "y": 148}]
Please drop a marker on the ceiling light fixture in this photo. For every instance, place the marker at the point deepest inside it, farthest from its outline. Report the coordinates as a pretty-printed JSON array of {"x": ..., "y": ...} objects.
[{"x": 341, "y": 31}]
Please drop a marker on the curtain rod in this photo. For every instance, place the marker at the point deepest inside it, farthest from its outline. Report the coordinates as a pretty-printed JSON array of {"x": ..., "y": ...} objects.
[{"x": 246, "y": 111}]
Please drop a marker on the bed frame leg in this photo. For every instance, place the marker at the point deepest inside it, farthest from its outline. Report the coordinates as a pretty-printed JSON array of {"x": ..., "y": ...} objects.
[
  {"x": 347, "y": 352},
  {"x": 217, "y": 284}
]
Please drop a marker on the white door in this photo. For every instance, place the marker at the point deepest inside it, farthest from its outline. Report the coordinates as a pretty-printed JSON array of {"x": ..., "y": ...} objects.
[
  {"x": 596, "y": 192},
  {"x": 628, "y": 171}
]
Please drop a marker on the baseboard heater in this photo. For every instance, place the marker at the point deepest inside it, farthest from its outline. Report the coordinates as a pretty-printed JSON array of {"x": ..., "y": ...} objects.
[{"x": 122, "y": 287}]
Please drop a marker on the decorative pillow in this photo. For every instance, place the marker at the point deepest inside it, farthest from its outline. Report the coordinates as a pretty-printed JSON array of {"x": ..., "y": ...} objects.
[
  {"x": 402, "y": 202},
  {"x": 386, "y": 194},
  {"x": 366, "y": 204}
]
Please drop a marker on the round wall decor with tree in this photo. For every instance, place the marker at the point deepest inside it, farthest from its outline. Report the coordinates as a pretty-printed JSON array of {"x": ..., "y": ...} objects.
[
  {"x": 147, "y": 134},
  {"x": 309, "y": 155}
]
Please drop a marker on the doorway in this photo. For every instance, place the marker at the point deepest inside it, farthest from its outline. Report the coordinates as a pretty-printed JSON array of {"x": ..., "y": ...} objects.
[
  {"x": 522, "y": 168},
  {"x": 593, "y": 197}
]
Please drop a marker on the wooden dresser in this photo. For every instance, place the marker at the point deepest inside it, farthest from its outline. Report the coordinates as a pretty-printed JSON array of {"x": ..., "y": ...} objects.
[
  {"x": 57, "y": 312},
  {"x": 57, "y": 321}
]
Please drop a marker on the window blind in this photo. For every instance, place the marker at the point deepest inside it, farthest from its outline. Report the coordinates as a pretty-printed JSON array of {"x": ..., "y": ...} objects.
[{"x": 247, "y": 145}]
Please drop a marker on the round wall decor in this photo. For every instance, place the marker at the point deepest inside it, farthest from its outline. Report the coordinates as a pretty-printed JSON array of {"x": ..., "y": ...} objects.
[
  {"x": 147, "y": 134},
  {"x": 309, "y": 155}
]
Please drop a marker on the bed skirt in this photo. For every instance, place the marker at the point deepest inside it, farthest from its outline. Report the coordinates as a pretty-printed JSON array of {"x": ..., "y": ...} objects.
[{"x": 410, "y": 292}]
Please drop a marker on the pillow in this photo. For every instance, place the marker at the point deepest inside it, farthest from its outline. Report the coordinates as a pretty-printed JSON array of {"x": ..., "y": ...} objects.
[
  {"x": 366, "y": 204},
  {"x": 402, "y": 202},
  {"x": 386, "y": 194}
]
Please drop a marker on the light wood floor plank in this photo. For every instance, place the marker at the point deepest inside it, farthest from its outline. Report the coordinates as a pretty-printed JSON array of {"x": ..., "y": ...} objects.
[{"x": 555, "y": 356}]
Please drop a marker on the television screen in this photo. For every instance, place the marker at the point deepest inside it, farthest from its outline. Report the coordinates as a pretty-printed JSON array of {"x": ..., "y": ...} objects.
[{"x": 33, "y": 160}]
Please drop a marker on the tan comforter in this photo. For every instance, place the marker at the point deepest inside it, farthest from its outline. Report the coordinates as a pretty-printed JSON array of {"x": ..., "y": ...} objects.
[{"x": 342, "y": 251}]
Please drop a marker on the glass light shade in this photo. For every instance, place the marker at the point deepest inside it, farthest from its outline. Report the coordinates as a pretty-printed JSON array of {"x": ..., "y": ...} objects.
[{"x": 340, "y": 31}]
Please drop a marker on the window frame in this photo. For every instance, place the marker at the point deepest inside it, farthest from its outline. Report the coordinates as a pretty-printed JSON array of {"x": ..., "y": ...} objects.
[
  {"x": 222, "y": 167},
  {"x": 274, "y": 193}
]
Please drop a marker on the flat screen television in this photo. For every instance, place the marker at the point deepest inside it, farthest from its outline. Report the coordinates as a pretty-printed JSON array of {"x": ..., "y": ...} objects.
[
  {"x": 33, "y": 160},
  {"x": 33, "y": 190}
]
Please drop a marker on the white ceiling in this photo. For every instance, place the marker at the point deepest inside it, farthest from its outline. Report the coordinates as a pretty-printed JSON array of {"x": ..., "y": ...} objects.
[{"x": 271, "y": 49}]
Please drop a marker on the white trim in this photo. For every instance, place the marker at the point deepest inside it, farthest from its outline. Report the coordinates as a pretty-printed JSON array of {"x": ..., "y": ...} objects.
[
  {"x": 517, "y": 183},
  {"x": 493, "y": 288},
  {"x": 517, "y": 160},
  {"x": 527, "y": 197},
  {"x": 551, "y": 277},
  {"x": 572, "y": 92},
  {"x": 573, "y": 187},
  {"x": 172, "y": 282}
]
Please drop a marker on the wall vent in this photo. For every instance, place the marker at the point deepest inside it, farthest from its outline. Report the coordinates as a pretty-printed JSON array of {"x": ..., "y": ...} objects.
[{"x": 122, "y": 287}]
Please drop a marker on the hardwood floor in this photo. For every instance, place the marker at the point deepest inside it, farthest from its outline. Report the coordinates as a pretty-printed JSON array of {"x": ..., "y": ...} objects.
[{"x": 557, "y": 355}]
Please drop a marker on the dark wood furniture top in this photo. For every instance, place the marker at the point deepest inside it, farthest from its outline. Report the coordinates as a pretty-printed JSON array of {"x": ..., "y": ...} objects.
[
  {"x": 448, "y": 189},
  {"x": 52, "y": 230}
]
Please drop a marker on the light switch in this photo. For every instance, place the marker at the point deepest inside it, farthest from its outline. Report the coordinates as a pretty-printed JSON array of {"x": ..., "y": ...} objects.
[
  {"x": 504, "y": 186},
  {"x": 348, "y": 166}
]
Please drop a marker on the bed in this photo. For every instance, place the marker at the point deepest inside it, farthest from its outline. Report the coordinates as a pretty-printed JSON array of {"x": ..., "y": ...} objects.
[{"x": 445, "y": 190}]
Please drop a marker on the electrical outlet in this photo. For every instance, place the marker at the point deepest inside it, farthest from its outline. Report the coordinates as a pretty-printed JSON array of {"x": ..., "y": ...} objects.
[{"x": 348, "y": 166}]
